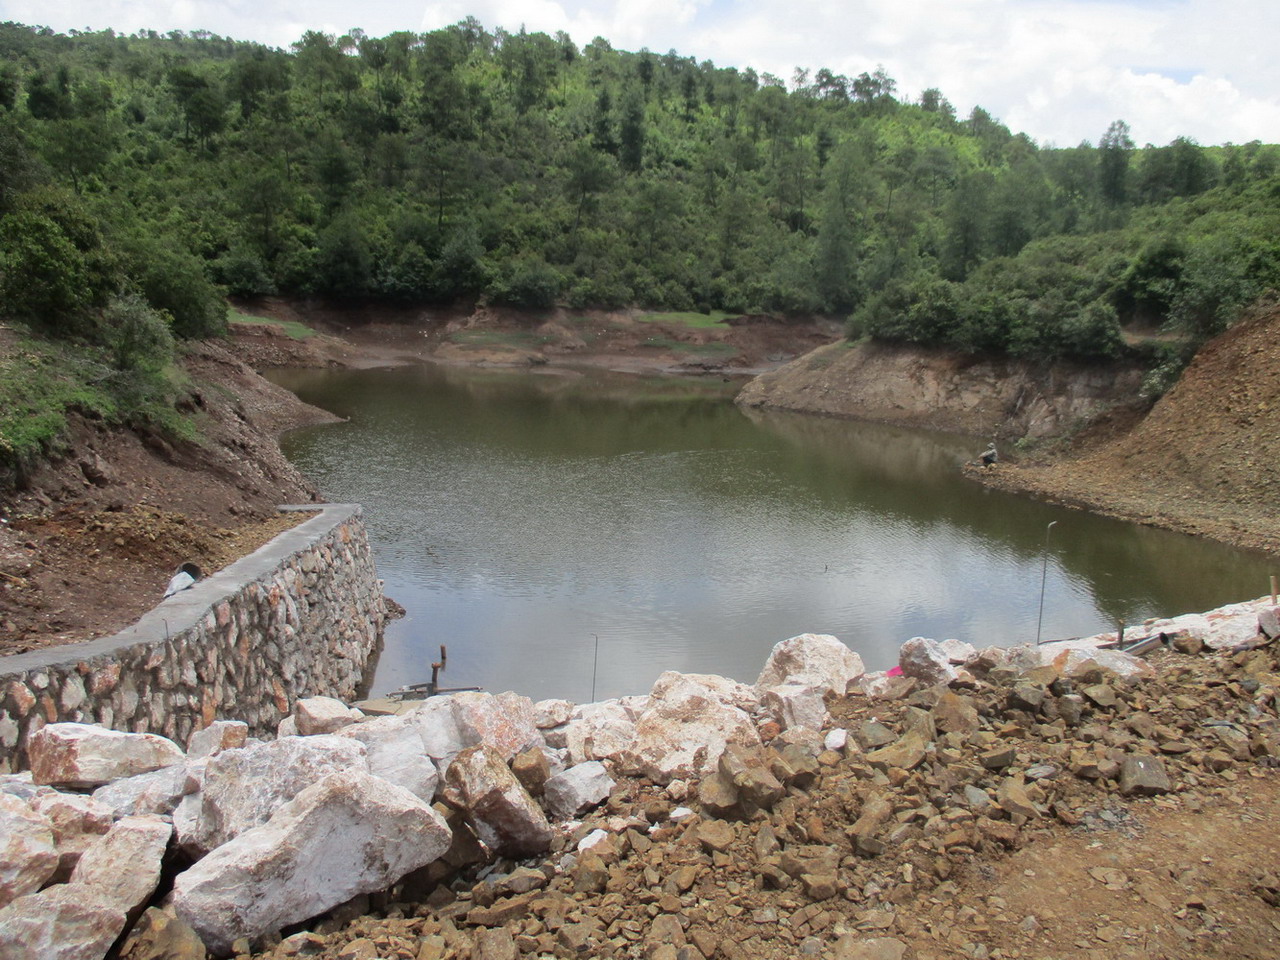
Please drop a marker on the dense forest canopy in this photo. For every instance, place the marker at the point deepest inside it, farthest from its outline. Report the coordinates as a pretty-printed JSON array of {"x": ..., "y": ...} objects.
[{"x": 147, "y": 175}]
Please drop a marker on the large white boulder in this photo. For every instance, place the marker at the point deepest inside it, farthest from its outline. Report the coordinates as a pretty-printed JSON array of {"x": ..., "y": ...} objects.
[
  {"x": 684, "y": 731},
  {"x": 347, "y": 834},
  {"x": 1071, "y": 658},
  {"x": 77, "y": 822},
  {"x": 502, "y": 813},
  {"x": 505, "y": 723},
  {"x": 927, "y": 661},
  {"x": 442, "y": 739},
  {"x": 811, "y": 658},
  {"x": 28, "y": 856},
  {"x": 82, "y": 755},
  {"x": 577, "y": 789},
  {"x": 552, "y": 713},
  {"x": 244, "y": 788},
  {"x": 727, "y": 691},
  {"x": 396, "y": 753}
]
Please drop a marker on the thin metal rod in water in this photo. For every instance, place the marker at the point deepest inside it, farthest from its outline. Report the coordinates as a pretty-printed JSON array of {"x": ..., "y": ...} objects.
[
  {"x": 1044, "y": 572},
  {"x": 594, "y": 663}
]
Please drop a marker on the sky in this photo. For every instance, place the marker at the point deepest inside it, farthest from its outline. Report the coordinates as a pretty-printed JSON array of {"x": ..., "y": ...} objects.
[{"x": 1058, "y": 70}]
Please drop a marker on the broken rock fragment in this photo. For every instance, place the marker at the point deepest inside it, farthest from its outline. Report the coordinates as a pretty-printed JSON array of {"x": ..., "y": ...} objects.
[
  {"x": 504, "y": 816},
  {"x": 684, "y": 731},
  {"x": 243, "y": 788},
  {"x": 1143, "y": 776},
  {"x": 56, "y": 923},
  {"x": 395, "y": 752},
  {"x": 578, "y": 789},
  {"x": 925, "y": 660}
]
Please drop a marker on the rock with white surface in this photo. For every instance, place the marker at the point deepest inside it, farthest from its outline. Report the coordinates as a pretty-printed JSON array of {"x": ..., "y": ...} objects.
[
  {"x": 684, "y": 731},
  {"x": 577, "y": 789},
  {"x": 28, "y": 856},
  {"x": 122, "y": 869},
  {"x": 59, "y": 923},
  {"x": 216, "y": 737},
  {"x": 396, "y": 753},
  {"x": 244, "y": 788},
  {"x": 82, "y": 756},
  {"x": 927, "y": 661},
  {"x": 159, "y": 792},
  {"x": 812, "y": 658},
  {"x": 796, "y": 705},
  {"x": 347, "y": 834}
]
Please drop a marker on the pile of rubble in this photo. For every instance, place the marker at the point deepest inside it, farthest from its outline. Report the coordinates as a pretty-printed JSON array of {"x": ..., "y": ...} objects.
[{"x": 805, "y": 814}]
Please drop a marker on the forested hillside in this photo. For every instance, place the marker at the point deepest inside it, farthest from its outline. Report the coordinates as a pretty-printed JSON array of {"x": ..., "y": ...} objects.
[{"x": 145, "y": 176}]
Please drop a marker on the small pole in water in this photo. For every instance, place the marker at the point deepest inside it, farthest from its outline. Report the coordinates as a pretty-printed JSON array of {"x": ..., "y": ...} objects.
[
  {"x": 1044, "y": 572},
  {"x": 594, "y": 663}
]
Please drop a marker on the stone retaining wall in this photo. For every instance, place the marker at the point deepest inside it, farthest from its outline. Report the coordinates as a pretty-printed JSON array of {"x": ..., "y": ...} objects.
[{"x": 299, "y": 617}]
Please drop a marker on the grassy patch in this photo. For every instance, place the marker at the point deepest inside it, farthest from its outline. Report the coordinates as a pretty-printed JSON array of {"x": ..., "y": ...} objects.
[
  {"x": 713, "y": 349},
  {"x": 661, "y": 343},
  {"x": 716, "y": 318},
  {"x": 500, "y": 338},
  {"x": 294, "y": 329},
  {"x": 41, "y": 382}
]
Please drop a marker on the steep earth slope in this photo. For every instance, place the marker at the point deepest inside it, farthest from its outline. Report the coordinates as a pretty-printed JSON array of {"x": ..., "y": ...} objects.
[
  {"x": 89, "y": 544},
  {"x": 1205, "y": 460},
  {"x": 943, "y": 390}
]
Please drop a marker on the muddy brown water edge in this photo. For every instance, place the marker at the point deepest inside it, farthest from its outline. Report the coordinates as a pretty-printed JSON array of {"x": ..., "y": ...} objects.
[{"x": 520, "y": 516}]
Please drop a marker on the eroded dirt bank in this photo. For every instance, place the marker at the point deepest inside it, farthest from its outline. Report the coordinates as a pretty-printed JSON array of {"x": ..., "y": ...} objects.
[
  {"x": 91, "y": 541},
  {"x": 1205, "y": 460},
  {"x": 943, "y": 390}
]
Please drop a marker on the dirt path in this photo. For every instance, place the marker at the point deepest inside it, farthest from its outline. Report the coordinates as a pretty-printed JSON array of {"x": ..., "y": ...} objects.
[{"x": 1157, "y": 879}]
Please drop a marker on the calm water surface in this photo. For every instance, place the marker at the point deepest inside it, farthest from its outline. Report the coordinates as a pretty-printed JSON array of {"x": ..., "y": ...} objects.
[{"x": 517, "y": 517}]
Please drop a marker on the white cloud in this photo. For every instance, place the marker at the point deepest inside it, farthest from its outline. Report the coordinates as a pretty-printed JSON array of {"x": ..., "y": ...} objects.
[{"x": 1059, "y": 70}]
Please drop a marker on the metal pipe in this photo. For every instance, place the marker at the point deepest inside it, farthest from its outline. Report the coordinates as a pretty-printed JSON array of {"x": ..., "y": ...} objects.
[
  {"x": 595, "y": 661},
  {"x": 1044, "y": 572}
]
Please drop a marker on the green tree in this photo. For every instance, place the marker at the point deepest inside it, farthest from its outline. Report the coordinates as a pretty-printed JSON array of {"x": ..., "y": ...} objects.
[{"x": 1114, "y": 150}]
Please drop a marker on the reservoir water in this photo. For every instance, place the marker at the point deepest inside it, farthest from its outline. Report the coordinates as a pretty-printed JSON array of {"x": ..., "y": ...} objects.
[{"x": 527, "y": 520}]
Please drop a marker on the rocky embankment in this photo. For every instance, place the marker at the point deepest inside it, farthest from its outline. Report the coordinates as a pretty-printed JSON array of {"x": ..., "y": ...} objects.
[
  {"x": 944, "y": 390},
  {"x": 819, "y": 812}
]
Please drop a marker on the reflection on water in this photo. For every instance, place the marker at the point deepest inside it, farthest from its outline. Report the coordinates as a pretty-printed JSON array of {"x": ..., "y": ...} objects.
[{"x": 515, "y": 516}]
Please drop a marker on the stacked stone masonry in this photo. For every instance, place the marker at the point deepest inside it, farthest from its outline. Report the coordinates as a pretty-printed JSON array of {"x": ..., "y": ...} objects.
[{"x": 299, "y": 617}]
